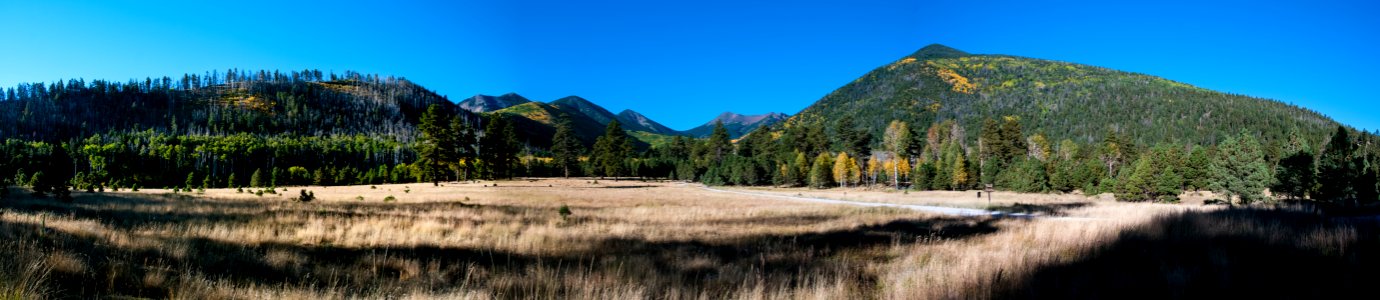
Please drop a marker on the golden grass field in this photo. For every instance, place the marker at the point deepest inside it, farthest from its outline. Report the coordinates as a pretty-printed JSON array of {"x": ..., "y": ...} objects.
[{"x": 661, "y": 240}]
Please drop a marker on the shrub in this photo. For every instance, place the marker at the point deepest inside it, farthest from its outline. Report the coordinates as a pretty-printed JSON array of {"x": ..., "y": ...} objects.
[
  {"x": 307, "y": 196},
  {"x": 390, "y": 198},
  {"x": 359, "y": 198},
  {"x": 564, "y": 211}
]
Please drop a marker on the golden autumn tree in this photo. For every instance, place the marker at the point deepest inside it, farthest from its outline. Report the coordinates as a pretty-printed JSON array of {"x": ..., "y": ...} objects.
[
  {"x": 841, "y": 164},
  {"x": 854, "y": 174}
]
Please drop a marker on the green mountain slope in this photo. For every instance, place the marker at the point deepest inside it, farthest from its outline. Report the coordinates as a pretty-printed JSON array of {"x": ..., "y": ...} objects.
[
  {"x": 1059, "y": 99},
  {"x": 536, "y": 123},
  {"x": 308, "y": 103}
]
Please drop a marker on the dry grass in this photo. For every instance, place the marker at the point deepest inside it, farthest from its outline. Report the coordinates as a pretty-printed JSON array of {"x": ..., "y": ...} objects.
[{"x": 625, "y": 239}]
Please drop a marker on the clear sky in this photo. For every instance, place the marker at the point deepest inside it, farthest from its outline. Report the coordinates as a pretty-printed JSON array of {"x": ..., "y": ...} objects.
[{"x": 683, "y": 62}]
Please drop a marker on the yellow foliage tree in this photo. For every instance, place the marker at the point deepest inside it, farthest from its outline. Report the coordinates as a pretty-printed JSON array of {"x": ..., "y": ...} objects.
[
  {"x": 873, "y": 166},
  {"x": 854, "y": 174},
  {"x": 960, "y": 84},
  {"x": 1039, "y": 147},
  {"x": 960, "y": 178},
  {"x": 841, "y": 164}
]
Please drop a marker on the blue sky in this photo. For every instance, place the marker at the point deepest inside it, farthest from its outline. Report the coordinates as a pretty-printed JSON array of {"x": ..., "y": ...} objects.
[{"x": 682, "y": 63}]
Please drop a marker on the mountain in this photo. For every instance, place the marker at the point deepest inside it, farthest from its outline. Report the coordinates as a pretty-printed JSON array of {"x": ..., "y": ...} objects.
[
  {"x": 536, "y": 123},
  {"x": 635, "y": 121},
  {"x": 584, "y": 107},
  {"x": 1058, "y": 99},
  {"x": 301, "y": 103},
  {"x": 485, "y": 103},
  {"x": 737, "y": 125}
]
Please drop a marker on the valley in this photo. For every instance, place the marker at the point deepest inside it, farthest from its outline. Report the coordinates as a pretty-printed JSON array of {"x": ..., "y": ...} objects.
[{"x": 644, "y": 239}]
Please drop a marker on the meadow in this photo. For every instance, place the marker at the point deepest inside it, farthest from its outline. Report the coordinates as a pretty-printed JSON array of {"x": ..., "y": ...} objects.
[{"x": 662, "y": 240}]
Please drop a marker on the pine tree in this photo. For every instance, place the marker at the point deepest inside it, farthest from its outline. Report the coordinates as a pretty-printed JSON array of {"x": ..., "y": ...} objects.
[
  {"x": 1195, "y": 170},
  {"x": 565, "y": 147},
  {"x": 1337, "y": 169},
  {"x": 464, "y": 147},
  {"x": 1240, "y": 169},
  {"x": 1296, "y": 175},
  {"x": 719, "y": 144},
  {"x": 437, "y": 148},
  {"x": 257, "y": 179},
  {"x": 821, "y": 173},
  {"x": 801, "y": 169},
  {"x": 612, "y": 150}
]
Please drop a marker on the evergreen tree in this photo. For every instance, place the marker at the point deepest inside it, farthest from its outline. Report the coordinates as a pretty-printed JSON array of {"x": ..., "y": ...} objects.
[
  {"x": 464, "y": 147},
  {"x": 612, "y": 150},
  {"x": 257, "y": 179},
  {"x": 565, "y": 148},
  {"x": 852, "y": 139},
  {"x": 821, "y": 173},
  {"x": 55, "y": 174},
  {"x": 437, "y": 148},
  {"x": 499, "y": 148},
  {"x": 1024, "y": 175},
  {"x": 1011, "y": 140},
  {"x": 1240, "y": 169},
  {"x": 719, "y": 144},
  {"x": 232, "y": 182},
  {"x": 1195, "y": 170},
  {"x": 921, "y": 177},
  {"x": 1296, "y": 175},
  {"x": 801, "y": 169},
  {"x": 1337, "y": 169}
]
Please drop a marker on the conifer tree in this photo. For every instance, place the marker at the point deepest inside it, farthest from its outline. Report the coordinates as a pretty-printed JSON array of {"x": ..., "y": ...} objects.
[
  {"x": 257, "y": 179},
  {"x": 821, "y": 173},
  {"x": 565, "y": 148},
  {"x": 1240, "y": 169},
  {"x": 1337, "y": 169}
]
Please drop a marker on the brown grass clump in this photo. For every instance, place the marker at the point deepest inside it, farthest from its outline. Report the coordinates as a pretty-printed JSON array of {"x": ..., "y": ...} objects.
[{"x": 632, "y": 239}]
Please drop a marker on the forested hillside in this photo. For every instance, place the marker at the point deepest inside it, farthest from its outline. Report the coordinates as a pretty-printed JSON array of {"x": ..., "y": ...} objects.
[
  {"x": 1058, "y": 99},
  {"x": 297, "y": 103}
]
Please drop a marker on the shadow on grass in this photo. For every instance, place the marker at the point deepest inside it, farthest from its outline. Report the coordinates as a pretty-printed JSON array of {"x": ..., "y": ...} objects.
[
  {"x": 686, "y": 268},
  {"x": 1052, "y": 209},
  {"x": 1236, "y": 253}
]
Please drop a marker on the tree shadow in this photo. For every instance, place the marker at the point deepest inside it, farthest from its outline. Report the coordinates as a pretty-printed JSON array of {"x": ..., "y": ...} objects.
[
  {"x": 667, "y": 268},
  {"x": 1234, "y": 253},
  {"x": 1050, "y": 209}
]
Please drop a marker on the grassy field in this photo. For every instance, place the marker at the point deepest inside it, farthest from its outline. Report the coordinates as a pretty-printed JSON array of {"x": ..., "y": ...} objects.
[{"x": 633, "y": 239}]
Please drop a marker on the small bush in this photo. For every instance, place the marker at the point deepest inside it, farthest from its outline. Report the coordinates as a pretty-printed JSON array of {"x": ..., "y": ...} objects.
[
  {"x": 259, "y": 193},
  {"x": 390, "y": 198},
  {"x": 407, "y": 189},
  {"x": 307, "y": 196},
  {"x": 359, "y": 198},
  {"x": 373, "y": 187},
  {"x": 239, "y": 190},
  {"x": 564, "y": 211}
]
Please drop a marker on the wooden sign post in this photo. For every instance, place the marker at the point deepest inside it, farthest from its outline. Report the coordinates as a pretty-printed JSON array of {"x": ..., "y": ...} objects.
[{"x": 989, "y": 190}]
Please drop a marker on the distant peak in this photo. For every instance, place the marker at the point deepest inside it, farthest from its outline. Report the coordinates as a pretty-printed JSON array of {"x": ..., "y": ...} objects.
[
  {"x": 938, "y": 51},
  {"x": 572, "y": 98},
  {"x": 629, "y": 112}
]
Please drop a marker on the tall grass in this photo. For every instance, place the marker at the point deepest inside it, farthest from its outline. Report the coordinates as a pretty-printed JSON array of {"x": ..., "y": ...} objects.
[{"x": 628, "y": 240}]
